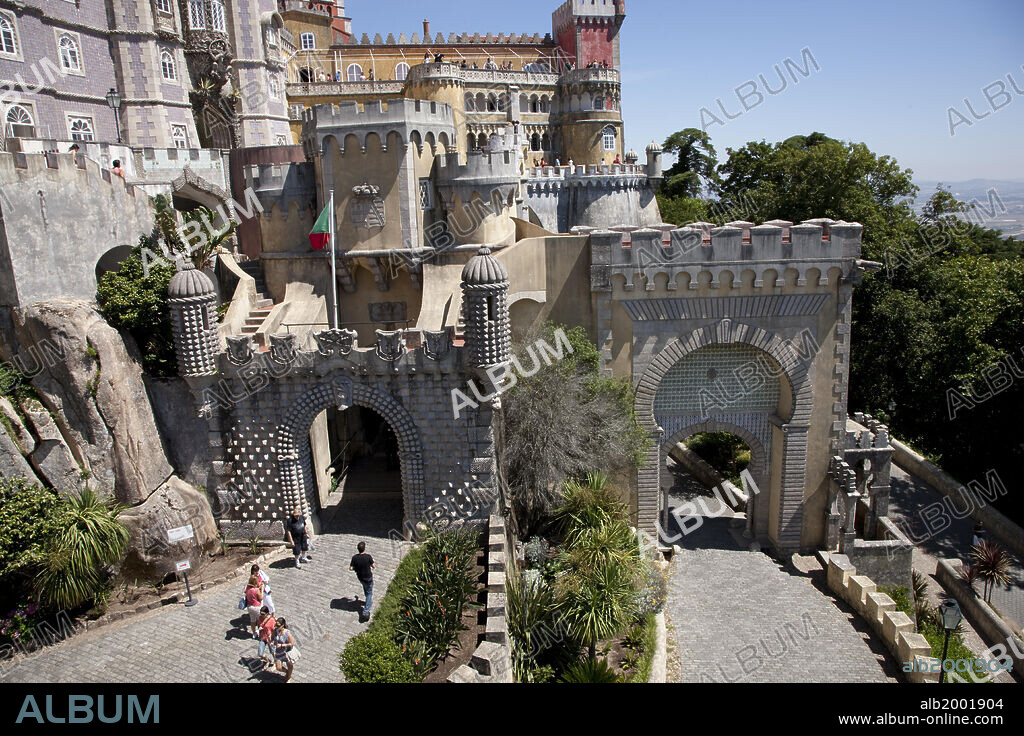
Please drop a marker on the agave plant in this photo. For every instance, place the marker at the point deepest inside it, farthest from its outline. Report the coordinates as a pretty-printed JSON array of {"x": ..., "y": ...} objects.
[
  {"x": 88, "y": 538},
  {"x": 589, "y": 671},
  {"x": 993, "y": 564},
  {"x": 969, "y": 575},
  {"x": 924, "y": 612},
  {"x": 597, "y": 604}
]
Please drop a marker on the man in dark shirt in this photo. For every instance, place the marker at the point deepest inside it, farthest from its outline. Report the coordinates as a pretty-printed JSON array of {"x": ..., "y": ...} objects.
[
  {"x": 298, "y": 537},
  {"x": 363, "y": 566}
]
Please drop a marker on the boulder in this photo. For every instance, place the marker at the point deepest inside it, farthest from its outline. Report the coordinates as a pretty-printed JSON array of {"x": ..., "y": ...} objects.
[
  {"x": 12, "y": 420},
  {"x": 175, "y": 504},
  {"x": 12, "y": 463},
  {"x": 52, "y": 458},
  {"x": 90, "y": 378}
]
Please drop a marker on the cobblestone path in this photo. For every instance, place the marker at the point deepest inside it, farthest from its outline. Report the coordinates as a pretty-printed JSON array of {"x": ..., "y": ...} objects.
[
  {"x": 740, "y": 617},
  {"x": 206, "y": 643}
]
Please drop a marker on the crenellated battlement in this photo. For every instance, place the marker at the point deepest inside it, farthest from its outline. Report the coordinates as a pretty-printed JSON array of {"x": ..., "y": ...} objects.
[
  {"x": 379, "y": 111},
  {"x": 455, "y": 39},
  {"x": 480, "y": 166},
  {"x": 16, "y": 167},
  {"x": 701, "y": 242},
  {"x": 550, "y": 180}
]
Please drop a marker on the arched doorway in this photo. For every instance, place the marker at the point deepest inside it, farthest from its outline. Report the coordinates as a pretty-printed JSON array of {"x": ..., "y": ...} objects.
[
  {"x": 297, "y": 472},
  {"x": 740, "y": 379}
]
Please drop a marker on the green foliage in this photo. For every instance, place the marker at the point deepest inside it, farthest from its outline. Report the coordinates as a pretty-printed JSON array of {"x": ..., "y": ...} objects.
[
  {"x": 135, "y": 302},
  {"x": 533, "y": 627},
  {"x": 590, "y": 671},
  {"x": 203, "y": 244},
  {"x": 992, "y": 564},
  {"x": 642, "y": 639},
  {"x": 29, "y": 518},
  {"x": 695, "y": 167},
  {"x": 87, "y": 538},
  {"x": 724, "y": 452},
  {"x": 15, "y": 386},
  {"x": 430, "y": 614},
  {"x": 373, "y": 656}
]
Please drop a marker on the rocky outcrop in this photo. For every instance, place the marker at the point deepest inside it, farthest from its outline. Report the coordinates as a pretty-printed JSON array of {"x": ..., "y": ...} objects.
[
  {"x": 174, "y": 504},
  {"x": 90, "y": 380},
  {"x": 94, "y": 424}
]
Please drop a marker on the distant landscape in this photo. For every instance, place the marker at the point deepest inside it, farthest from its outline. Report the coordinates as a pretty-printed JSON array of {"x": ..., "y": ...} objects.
[{"x": 992, "y": 197}]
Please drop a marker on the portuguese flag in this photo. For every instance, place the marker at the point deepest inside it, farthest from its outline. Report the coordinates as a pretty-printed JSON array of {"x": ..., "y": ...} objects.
[{"x": 321, "y": 234}]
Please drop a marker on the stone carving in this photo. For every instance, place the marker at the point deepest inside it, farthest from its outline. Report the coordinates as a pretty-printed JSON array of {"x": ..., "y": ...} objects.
[
  {"x": 284, "y": 347},
  {"x": 335, "y": 342},
  {"x": 240, "y": 349},
  {"x": 390, "y": 345},
  {"x": 367, "y": 207},
  {"x": 438, "y": 344}
]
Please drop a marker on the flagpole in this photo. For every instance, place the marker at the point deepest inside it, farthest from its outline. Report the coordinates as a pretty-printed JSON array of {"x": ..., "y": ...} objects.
[{"x": 334, "y": 269}]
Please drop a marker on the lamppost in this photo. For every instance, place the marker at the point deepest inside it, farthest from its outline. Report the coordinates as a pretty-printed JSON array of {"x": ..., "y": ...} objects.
[
  {"x": 951, "y": 616},
  {"x": 114, "y": 100}
]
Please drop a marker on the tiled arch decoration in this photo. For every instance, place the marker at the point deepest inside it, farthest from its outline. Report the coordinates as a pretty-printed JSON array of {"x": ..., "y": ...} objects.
[
  {"x": 295, "y": 460},
  {"x": 728, "y": 332}
]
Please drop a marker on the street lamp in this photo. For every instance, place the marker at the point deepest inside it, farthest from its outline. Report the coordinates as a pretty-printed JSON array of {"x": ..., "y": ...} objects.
[
  {"x": 114, "y": 100},
  {"x": 951, "y": 616}
]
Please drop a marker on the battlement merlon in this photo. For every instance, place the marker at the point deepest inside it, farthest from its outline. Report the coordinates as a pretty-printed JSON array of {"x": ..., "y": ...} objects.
[
  {"x": 403, "y": 116},
  {"x": 499, "y": 167},
  {"x": 705, "y": 244}
]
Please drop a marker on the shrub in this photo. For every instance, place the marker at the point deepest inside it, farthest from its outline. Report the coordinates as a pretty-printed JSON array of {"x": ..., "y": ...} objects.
[
  {"x": 134, "y": 299},
  {"x": 430, "y": 615},
  {"x": 373, "y": 656},
  {"x": 536, "y": 551},
  {"x": 86, "y": 539},
  {"x": 589, "y": 671},
  {"x": 29, "y": 515}
]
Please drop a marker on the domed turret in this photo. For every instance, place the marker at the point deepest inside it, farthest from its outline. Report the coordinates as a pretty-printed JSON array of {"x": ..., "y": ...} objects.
[
  {"x": 632, "y": 157},
  {"x": 485, "y": 310},
  {"x": 654, "y": 171},
  {"x": 192, "y": 300}
]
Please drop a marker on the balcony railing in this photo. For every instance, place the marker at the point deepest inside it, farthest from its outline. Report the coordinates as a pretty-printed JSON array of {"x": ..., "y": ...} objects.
[
  {"x": 579, "y": 76},
  {"x": 340, "y": 89}
]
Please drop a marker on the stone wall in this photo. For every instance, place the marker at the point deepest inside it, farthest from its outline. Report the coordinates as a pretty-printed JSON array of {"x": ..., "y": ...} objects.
[
  {"x": 894, "y": 628},
  {"x": 59, "y": 217},
  {"x": 563, "y": 197}
]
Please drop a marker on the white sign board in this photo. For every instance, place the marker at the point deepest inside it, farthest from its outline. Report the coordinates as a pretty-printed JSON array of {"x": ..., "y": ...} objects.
[
  {"x": 181, "y": 533},
  {"x": 182, "y": 566}
]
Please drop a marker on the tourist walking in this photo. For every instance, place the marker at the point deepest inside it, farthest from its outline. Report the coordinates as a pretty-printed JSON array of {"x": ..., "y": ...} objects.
[
  {"x": 266, "y": 624},
  {"x": 253, "y": 602},
  {"x": 298, "y": 537},
  {"x": 285, "y": 652},
  {"x": 363, "y": 565},
  {"x": 268, "y": 601}
]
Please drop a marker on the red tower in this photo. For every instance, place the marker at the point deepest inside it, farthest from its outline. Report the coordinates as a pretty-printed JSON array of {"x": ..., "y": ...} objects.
[{"x": 587, "y": 31}]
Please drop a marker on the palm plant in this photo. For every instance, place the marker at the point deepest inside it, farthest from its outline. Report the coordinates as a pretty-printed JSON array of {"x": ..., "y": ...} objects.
[
  {"x": 993, "y": 565},
  {"x": 532, "y": 625},
  {"x": 596, "y": 604},
  {"x": 87, "y": 539},
  {"x": 587, "y": 504}
]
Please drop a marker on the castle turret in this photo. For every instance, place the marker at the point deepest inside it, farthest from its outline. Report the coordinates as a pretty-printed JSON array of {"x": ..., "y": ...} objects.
[
  {"x": 192, "y": 300},
  {"x": 485, "y": 310},
  {"x": 654, "y": 169}
]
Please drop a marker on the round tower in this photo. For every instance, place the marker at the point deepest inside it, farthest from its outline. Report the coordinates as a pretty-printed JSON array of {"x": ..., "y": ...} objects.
[
  {"x": 632, "y": 157},
  {"x": 485, "y": 310},
  {"x": 192, "y": 300}
]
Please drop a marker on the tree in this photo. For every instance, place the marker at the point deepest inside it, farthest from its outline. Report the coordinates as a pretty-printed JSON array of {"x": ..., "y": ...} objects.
[
  {"x": 134, "y": 299},
  {"x": 202, "y": 238},
  {"x": 694, "y": 169},
  {"x": 563, "y": 422},
  {"x": 28, "y": 519}
]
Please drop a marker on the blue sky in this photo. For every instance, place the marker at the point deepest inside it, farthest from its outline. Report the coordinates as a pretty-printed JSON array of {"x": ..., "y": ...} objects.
[{"x": 889, "y": 71}]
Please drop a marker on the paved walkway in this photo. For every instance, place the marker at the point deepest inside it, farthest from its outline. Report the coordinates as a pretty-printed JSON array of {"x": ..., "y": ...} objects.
[
  {"x": 207, "y": 643},
  {"x": 909, "y": 495},
  {"x": 740, "y": 617}
]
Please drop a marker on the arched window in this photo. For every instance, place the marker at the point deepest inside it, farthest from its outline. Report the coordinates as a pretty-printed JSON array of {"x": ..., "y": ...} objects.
[
  {"x": 469, "y": 102},
  {"x": 8, "y": 39},
  {"x": 482, "y": 141},
  {"x": 401, "y": 71},
  {"x": 305, "y": 75},
  {"x": 492, "y": 103},
  {"x": 535, "y": 142},
  {"x": 19, "y": 122},
  {"x": 180, "y": 136},
  {"x": 196, "y": 14},
  {"x": 599, "y": 103},
  {"x": 534, "y": 104},
  {"x": 70, "y": 56},
  {"x": 81, "y": 129},
  {"x": 307, "y": 41},
  {"x": 472, "y": 141},
  {"x": 608, "y": 139},
  {"x": 545, "y": 142},
  {"x": 271, "y": 37},
  {"x": 355, "y": 73},
  {"x": 275, "y": 86},
  {"x": 167, "y": 66},
  {"x": 217, "y": 20}
]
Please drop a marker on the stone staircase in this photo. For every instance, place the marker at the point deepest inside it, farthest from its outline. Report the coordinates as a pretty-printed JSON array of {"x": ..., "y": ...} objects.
[{"x": 264, "y": 304}]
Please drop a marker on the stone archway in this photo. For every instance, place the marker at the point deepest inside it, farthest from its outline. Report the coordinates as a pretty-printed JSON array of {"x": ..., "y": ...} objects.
[
  {"x": 295, "y": 461},
  {"x": 794, "y": 427},
  {"x": 760, "y": 460}
]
